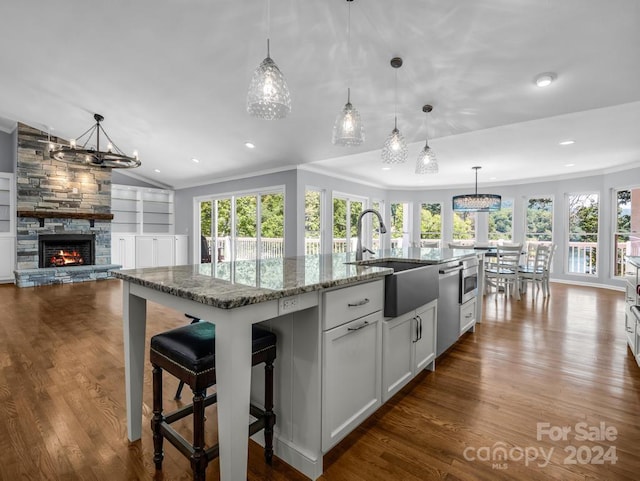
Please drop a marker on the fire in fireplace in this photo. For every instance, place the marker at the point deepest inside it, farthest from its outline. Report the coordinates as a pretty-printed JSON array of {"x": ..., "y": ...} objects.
[{"x": 62, "y": 250}]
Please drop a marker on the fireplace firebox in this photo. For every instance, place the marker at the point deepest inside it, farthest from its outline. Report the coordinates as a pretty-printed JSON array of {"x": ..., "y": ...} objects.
[{"x": 63, "y": 250}]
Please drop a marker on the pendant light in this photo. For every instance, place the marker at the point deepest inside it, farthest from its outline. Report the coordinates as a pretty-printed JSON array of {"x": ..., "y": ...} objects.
[
  {"x": 427, "y": 162},
  {"x": 476, "y": 202},
  {"x": 395, "y": 147},
  {"x": 348, "y": 129},
  {"x": 268, "y": 97}
]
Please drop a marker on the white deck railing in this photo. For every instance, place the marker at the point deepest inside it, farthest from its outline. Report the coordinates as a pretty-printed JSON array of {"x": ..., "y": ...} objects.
[{"x": 581, "y": 255}]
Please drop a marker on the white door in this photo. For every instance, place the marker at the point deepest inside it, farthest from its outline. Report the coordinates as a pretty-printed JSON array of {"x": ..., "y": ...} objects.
[
  {"x": 398, "y": 335},
  {"x": 182, "y": 250},
  {"x": 425, "y": 347},
  {"x": 165, "y": 250},
  {"x": 145, "y": 251}
]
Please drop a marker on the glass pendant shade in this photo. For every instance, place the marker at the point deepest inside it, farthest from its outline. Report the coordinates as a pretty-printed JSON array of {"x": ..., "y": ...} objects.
[
  {"x": 348, "y": 129},
  {"x": 477, "y": 202},
  {"x": 268, "y": 97},
  {"x": 395, "y": 149},
  {"x": 427, "y": 162}
]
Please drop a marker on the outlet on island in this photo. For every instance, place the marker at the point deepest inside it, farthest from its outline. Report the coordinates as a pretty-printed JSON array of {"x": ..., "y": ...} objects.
[{"x": 288, "y": 304}]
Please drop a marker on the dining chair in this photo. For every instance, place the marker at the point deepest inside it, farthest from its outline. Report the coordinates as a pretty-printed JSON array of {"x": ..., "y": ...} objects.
[
  {"x": 533, "y": 271},
  {"x": 504, "y": 272}
]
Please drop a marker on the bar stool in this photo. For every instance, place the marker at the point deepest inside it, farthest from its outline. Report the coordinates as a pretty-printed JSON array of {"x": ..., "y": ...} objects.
[{"x": 188, "y": 353}]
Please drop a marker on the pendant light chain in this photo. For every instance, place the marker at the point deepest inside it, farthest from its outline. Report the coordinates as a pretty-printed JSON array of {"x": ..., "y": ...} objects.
[
  {"x": 268, "y": 27},
  {"x": 348, "y": 129},
  {"x": 395, "y": 102}
]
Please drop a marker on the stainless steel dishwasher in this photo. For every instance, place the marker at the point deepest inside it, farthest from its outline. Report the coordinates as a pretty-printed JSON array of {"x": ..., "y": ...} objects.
[{"x": 448, "y": 306}]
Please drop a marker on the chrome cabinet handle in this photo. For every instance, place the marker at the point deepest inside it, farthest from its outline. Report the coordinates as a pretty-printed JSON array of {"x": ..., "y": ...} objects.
[
  {"x": 420, "y": 331},
  {"x": 417, "y": 331},
  {"x": 366, "y": 323},
  {"x": 468, "y": 316},
  {"x": 629, "y": 329},
  {"x": 359, "y": 303}
]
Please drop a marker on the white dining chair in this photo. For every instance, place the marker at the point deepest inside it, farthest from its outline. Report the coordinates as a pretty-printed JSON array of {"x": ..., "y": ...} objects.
[{"x": 504, "y": 272}]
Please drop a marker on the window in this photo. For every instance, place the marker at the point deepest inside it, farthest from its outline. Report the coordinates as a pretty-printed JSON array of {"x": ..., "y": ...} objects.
[
  {"x": 346, "y": 210},
  {"x": 464, "y": 227},
  {"x": 312, "y": 222},
  {"x": 625, "y": 243},
  {"x": 583, "y": 233},
  {"x": 430, "y": 225},
  {"x": 400, "y": 225},
  {"x": 501, "y": 223},
  {"x": 376, "y": 239},
  {"x": 242, "y": 227},
  {"x": 539, "y": 219}
]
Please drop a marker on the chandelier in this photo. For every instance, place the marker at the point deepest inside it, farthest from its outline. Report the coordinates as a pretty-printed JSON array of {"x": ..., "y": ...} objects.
[
  {"x": 268, "y": 96},
  {"x": 395, "y": 149},
  {"x": 476, "y": 202},
  {"x": 427, "y": 162},
  {"x": 83, "y": 151},
  {"x": 348, "y": 129}
]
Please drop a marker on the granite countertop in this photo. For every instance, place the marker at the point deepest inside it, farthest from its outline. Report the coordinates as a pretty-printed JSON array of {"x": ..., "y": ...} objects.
[
  {"x": 227, "y": 285},
  {"x": 422, "y": 255},
  {"x": 236, "y": 284}
]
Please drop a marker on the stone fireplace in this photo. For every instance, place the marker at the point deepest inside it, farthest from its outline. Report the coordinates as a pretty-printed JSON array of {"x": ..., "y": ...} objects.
[{"x": 62, "y": 203}]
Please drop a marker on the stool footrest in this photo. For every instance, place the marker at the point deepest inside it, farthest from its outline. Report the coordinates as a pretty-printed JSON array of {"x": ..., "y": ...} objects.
[{"x": 188, "y": 409}]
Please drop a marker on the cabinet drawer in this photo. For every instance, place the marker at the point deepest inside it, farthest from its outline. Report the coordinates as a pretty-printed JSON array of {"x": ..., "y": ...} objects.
[
  {"x": 349, "y": 303},
  {"x": 467, "y": 315}
]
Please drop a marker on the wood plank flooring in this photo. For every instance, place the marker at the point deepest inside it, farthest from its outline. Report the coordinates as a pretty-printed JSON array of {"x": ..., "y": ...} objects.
[{"x": 560, "y": 361}]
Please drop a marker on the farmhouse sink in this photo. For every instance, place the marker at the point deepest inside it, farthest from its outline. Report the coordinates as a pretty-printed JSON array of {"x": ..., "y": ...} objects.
[{"x": 410, "y": 286}]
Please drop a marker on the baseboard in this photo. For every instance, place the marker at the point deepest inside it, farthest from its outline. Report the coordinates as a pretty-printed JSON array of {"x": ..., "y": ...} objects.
[
  {"x": 587, "y": 284},
  {"x": 303, "y": 462}
]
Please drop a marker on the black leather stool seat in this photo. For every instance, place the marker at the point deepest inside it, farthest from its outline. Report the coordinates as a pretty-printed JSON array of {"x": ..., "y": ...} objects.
[
  {"x": 188, "y": 353},
  {"x": 192, "y": 346}
]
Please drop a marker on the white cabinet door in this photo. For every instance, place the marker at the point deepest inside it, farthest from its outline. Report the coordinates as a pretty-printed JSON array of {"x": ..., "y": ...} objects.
[
  {"x": 351, "y": 367},
  {"x": 424, "y": 349},
  {"x": 123, "y": 250},
  {"x": 164, "y": 250},
  {"x": 155, "y": 251},
  {"x": 182, "y": 250},
  {"x": 398, "y": 334},
  {"x": 7, "y": 258},
  {"x": 145, "y": 252}
]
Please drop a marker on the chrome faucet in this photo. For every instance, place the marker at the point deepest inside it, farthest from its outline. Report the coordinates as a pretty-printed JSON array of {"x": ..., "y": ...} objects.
[{"x": 383, "y": 229}]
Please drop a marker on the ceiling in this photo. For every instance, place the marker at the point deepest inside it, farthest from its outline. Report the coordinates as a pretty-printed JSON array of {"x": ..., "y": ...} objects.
[{"x": 171, "y": 77}]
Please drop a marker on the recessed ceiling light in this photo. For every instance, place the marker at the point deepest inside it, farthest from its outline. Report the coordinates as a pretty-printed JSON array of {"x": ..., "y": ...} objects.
[
  {"x": 195, "y": 160},
  {"x": 492, "y": 178},
  {"x": 386, "y": 168},
  {"x": 250, "y": 145},
  {"x": 569, "y": 165},
  {"x": 156, "y": 170},
  {"x": 567, "y": 142},
  {"x": 545, "y": 79}
]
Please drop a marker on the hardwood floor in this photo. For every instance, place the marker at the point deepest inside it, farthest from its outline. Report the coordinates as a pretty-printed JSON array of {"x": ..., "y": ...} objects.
[{"x": 561, "y": 361}]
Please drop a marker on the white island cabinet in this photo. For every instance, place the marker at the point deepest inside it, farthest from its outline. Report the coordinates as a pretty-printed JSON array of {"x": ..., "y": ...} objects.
[
  {"x": 408, "y": 347},
  {"x": 632, "y": 298},
  {"x": 351, "y": 361}
]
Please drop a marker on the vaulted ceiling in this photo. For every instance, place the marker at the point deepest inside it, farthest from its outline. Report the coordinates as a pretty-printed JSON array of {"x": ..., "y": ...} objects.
[{"x": 171, "y": 77}]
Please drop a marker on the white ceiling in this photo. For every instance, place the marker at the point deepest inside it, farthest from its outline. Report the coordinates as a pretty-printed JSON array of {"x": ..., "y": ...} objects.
[{"x": 170, "y": 78}]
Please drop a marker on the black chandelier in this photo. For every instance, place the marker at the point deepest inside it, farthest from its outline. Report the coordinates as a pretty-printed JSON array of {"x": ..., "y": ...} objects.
[
  {"x": 476, "y": 202},
  {"x": 88, "y": 154}
]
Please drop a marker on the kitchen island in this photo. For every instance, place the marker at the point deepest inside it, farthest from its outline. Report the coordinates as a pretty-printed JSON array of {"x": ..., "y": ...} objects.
[{"x": 305, "y": 300}]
